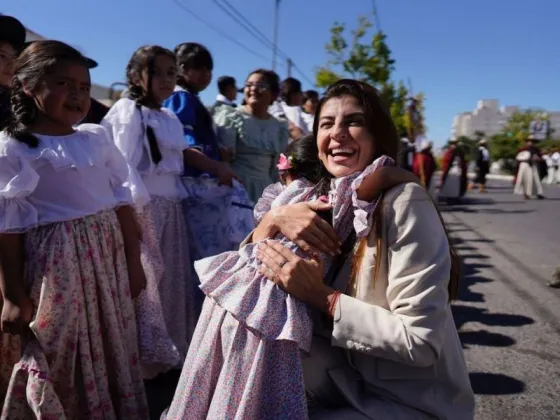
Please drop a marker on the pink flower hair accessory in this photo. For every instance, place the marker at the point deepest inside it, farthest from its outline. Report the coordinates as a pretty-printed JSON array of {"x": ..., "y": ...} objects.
[{"x": 284, "y": 163}]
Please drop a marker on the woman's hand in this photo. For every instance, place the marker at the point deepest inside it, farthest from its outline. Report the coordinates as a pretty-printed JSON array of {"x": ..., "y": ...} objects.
[
  {"x": 301, "y": 278},
  {"x": 16, "y": 316},
  {"x": 302, "y": 225}
]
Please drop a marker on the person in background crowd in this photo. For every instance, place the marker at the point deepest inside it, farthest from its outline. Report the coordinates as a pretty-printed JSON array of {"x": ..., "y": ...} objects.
[
  {"x": 289, "y": 107},
  {"x": 69, "y": 249},
  {"x": 406, "y": 154},
  {"x": 424, "y": 164},
  {"x": 12, "y": 40},
  {"x": 203, "y": 155},
  {"x": 227, "y": 88},
  {"x": 527, "y": 178},
  {"x": 310, "y": 101},
  {"x": 252, "y": 136},
  {"x": 482, "y": 166},
  {"x": 150, "y": 137},
  {"x": 209, "y": 179},
  {"x": 555, "y": 158},
  {"x": 454, "y": 173}
]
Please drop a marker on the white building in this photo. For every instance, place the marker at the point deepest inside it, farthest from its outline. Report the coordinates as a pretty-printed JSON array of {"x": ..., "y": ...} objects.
[
  {"x": 488, "y": 117},
  {"x": 99, "y": 92}
]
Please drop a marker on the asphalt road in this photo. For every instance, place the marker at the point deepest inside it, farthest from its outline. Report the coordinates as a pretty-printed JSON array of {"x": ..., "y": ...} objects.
[{"x": 508, "y": 319}]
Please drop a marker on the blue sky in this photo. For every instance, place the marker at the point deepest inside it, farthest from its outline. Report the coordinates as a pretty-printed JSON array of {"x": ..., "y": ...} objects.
[{"x": 455, "y": 51}]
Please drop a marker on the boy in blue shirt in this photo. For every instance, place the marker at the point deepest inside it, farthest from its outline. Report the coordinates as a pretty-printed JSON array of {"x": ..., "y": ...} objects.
[{"x": 195, "y": 73}]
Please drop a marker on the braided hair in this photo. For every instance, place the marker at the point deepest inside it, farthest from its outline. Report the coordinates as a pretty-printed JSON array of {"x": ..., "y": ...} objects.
[
  {"x": 144, "y": 59},
  {"x": 38, "y": 59}
]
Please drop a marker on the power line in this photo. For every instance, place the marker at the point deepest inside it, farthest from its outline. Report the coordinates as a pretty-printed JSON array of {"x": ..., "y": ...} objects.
[
  {"x": 218, "y": 30},
  {"x": 241, "y": 20}
]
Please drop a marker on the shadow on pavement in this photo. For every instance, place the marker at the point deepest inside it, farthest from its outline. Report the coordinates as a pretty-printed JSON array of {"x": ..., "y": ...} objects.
[
  {"x": 495, "y": 384},
  {"x": 463, "y": 314},
  {"x": 485, "y": 338}
]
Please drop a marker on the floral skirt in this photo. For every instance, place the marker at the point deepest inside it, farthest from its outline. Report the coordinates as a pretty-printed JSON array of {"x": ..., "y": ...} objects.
[
  {"x": 225, "y": 352},
  {"x": 80, "y": 358},
  {"x": 10, "y": 353},
  {"x": 167, "y": 310}
]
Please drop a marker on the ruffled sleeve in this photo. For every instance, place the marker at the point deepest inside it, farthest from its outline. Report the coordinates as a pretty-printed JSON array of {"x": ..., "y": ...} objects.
[
  {"x": 17, "y": 181},
  {"x": 115, "y": 162},
  {"x": 124, "y": 127},
  {"x": 364, "y": 209},
  {"x": 124, "y": 123}
]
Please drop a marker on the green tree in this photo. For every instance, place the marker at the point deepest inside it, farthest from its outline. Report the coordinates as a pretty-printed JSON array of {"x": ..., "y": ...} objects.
[
  {"x": 506, "y": 144},
  {"x": 368, "y": 60}
]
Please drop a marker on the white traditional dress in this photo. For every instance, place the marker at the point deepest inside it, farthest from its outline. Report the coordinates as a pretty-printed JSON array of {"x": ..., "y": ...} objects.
[
  {"x": 166, "y": 310},
  {"x": 80, "y": 359}
]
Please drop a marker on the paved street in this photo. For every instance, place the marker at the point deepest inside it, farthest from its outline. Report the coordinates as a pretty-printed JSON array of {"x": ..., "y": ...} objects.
[{"x": 509, "y": 319}]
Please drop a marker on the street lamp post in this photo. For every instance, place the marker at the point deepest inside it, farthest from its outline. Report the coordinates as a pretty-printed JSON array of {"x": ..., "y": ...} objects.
[{"x": 275, "y": 37}]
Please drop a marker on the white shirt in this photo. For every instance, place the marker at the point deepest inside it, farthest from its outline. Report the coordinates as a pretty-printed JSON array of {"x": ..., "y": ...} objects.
[
  {"x": 146, "y": 178},
  {"x": 64, "y": 178},
  {"x": 291, "y": 113},
  {"x": 555, "y": 158},
  {"x": 222, "y": 98},
  {"x": 485, "y": 153}
]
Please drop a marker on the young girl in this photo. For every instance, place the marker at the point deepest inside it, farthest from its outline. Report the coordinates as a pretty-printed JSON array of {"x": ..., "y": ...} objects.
[
  {"x": 209, "y": 181},
  {"x": 69, "y": 262},
  {"x": 250, "y": 333},
  {"x": 151, "y": 139}
]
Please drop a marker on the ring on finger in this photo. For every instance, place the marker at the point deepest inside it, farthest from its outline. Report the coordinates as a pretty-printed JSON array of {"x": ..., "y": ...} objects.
[{"x": 283, "y": 263}]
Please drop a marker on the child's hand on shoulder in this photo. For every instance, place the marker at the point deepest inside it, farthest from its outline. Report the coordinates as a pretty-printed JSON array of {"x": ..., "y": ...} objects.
[{"x": 384, "y": 179}]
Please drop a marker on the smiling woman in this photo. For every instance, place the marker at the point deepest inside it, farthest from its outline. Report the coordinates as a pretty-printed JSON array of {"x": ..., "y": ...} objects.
[
  {"x": 384, "y": 345},
  {"x": 252, "y": 136}
]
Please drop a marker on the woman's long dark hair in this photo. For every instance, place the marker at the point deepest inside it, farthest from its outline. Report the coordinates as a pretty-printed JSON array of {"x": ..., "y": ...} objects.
[
  {"x": 38, "y": 59},
  {"x": 386, "y": 142},
  {"x": 144, "y": 59}
]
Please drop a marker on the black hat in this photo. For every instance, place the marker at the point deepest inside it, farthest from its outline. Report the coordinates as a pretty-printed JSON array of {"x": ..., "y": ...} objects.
[{"x": 12, "y": 31}]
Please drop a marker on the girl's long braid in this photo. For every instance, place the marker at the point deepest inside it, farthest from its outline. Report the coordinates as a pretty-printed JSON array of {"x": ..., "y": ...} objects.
[
  {"x": 141, "y": 98},
  {"x": 22, "y": 114}
]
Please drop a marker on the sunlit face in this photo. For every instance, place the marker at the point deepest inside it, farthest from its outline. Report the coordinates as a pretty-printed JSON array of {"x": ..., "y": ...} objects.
[
  {"x": 344, "y": 142},
  {"x": 163, "y": 78},
  {"x": 257, "y": 91},
  {"x": 7, "y": 60},
  {"x": 199, "y": 79},
  {"x": 64, "y": 94}
]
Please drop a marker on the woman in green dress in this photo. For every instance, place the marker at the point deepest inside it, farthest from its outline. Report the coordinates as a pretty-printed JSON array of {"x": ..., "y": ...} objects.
[{"x": 253, "y": 139}]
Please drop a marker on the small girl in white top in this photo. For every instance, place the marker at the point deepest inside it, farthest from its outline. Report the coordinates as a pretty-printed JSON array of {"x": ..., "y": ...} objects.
[
  {"x": 69, "y": 250},
  {"x": 151, "y": 139}
]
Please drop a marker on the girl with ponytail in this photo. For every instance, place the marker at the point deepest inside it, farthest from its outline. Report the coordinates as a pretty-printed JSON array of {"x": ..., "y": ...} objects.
[
  {"x": 151, "y": 140},
  {"x": 69, "y": 250}
]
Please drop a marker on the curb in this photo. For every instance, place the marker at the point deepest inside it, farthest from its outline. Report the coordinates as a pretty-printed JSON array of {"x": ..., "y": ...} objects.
[{"x": 495, "y": 177}]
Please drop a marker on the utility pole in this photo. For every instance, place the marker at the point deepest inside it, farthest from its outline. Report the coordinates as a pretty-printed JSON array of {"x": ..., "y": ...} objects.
[
  {"x": 290, "y": 65},
  {"x": 275, "y": 38}
]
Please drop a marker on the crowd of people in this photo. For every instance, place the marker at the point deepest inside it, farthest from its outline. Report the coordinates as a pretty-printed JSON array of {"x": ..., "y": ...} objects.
[{"x": 270, "y": 251}]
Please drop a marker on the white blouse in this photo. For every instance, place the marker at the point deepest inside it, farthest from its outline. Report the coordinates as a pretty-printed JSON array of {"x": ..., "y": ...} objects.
[
  {"x": 64, "y": 178},
  {"x": 146, "y": 178}
]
